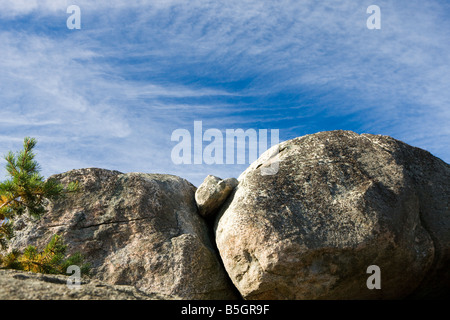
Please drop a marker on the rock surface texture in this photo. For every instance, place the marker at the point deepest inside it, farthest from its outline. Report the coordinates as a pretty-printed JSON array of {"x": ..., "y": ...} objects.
[
  {"x": 339, "y": 203},
  {"x": 134, "y": 229},
  {"x": 16, "y": 285},
  {"x": 211, "y": 194},
  {"x": 334, "y": 204}
]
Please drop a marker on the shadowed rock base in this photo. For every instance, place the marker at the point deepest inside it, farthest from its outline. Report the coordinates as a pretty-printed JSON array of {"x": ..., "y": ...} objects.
[{"x": 16, "y": 285}]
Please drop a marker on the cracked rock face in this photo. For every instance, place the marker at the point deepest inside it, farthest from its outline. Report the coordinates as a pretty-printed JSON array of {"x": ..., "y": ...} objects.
[
  {"x": 134, "y": 229},
  {"x": 339, "y": 203}
]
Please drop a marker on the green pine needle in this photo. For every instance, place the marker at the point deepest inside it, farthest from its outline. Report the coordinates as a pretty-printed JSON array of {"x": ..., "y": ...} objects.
[{"x": 26, "y": 190}]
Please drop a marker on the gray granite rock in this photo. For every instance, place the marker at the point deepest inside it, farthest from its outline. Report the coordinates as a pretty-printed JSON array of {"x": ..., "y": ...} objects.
[
  {"x": 212, "y": 193},
  {"x": 134, "y": 229},
  {"x": 339, "y": 203},
  {"x": 18, "y": 285}
]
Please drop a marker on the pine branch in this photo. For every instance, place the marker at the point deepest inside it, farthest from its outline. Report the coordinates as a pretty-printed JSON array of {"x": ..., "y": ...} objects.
[
  {"x": 26, "y": 190},
  {"x": 11, "y": 164}
]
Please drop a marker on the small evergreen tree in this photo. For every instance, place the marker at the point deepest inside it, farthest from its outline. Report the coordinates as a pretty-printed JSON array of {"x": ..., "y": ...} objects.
[
  {"x": 26, "y": 191},
  {"x": 50, "y": 260}
]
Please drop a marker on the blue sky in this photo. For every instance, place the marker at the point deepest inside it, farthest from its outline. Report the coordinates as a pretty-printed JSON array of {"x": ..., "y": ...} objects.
[{"x": 110, "y": 94}]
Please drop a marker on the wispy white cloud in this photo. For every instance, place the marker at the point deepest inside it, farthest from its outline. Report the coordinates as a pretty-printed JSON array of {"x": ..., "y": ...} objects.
[
  {"x": 139, "y": 69},
  {"x": 82, "y": 111}
]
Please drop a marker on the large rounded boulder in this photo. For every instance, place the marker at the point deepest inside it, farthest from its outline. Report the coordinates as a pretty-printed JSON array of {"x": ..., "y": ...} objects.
[
  {"x": 134, "y": 229},
  {"x": 337, "y": 204}
]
